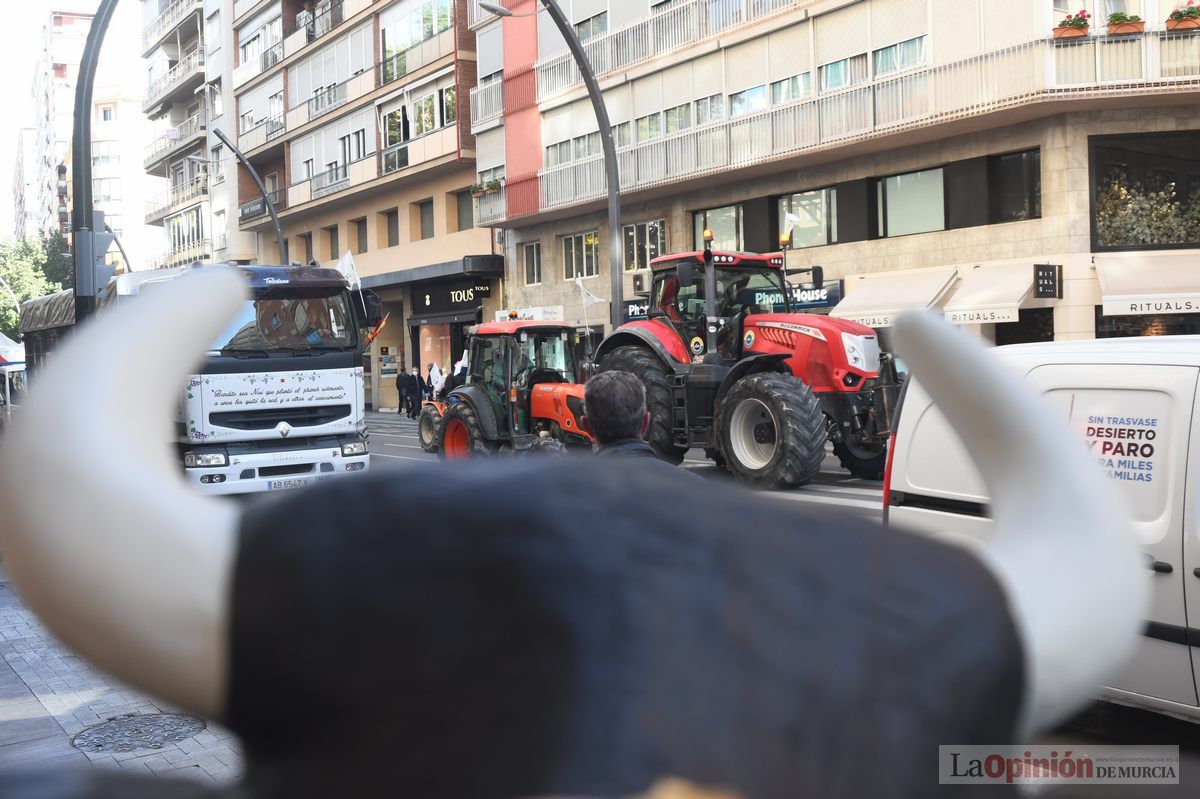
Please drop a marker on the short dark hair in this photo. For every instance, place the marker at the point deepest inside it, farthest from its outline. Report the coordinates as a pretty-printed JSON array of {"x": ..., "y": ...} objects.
[{"x": 615, "y": 405}]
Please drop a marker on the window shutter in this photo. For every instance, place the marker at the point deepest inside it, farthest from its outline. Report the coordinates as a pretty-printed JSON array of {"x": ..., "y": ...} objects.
[
  {"x": 489, "y": 48},
  {"x": 898, "y": 21},
  {"x": 955, "y": 29},
  {"x": 843, "y": 33},
  {"x": 556, "y": 125},
  {"x": 788, "y": 52},
  {"x": 1003, "y": 28},
  {"x": 489, "y": 149},
  {"x": 616, "y": 100},
  {"x": 746, "y": 65},
  {"x": 586, "y": 9},
  {"x": 647, "y": 95},
  {"x": 677, "y": 85},
  {"x": 708, "y": 75}
]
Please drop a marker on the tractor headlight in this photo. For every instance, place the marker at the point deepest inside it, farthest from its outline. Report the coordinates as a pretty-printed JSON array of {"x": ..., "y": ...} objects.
[
  {"x": 355, "y": 448},
  {"x": 194, "y": 460},
  {"x": 860, "y": 352}
]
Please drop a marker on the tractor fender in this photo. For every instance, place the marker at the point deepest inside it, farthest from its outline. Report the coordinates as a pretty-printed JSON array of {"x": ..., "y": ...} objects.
[
  {"x": 635, "y": 334},
  {"x": 772, "y": 362},
  {"x": 477, "y": 398}
]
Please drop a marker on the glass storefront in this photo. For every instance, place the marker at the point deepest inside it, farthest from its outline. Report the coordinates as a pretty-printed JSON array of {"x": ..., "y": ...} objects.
[
  {"x": 434, "y": 344},
  {"x": 1033, "y": 325},
  {"x": 1178, "y": 324}
]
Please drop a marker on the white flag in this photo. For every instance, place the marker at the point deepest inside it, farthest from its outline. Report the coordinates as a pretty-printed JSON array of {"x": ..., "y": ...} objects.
[
  {"x": 790, "y": 221},
  {"x": 349, "y": 271},
  {"x": 588, "y": 297}
]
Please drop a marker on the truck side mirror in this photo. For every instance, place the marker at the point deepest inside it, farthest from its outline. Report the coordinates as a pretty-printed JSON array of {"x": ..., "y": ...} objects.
[
  {"x": 818, "y": 277},
  {"x": 686, "y": 273}
]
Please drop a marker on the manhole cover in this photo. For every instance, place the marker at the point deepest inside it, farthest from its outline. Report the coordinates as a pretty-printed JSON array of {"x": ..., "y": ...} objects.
[{"x": 147, "y": 731}]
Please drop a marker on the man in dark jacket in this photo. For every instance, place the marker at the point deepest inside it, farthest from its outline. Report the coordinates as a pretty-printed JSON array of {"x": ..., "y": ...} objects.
[
  {"x": 614, "y": 407},
  {"x": 404, "y": 387}
]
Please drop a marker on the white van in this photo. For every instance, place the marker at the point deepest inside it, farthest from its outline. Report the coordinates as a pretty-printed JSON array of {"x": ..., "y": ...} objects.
[{"x": 1133, "y": 402}]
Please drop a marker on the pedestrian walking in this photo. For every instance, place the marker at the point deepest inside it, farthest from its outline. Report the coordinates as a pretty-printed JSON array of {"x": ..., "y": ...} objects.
[
  {"x": 417, "y": 390},
  {"x": 404, "y": 387}
]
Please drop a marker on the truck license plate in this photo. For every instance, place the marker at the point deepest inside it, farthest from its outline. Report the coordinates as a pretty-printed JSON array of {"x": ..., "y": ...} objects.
[{"x": 282, "y": 485}]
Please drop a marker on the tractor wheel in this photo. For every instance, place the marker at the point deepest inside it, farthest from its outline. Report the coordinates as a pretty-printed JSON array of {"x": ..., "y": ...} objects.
[
  {"x": 862, "y": 460},
  {"x": 461, "y": 436},
  {"x": 654, "y": 376},
  {"x": 427, "y": 428},
  {"x": 772, "y": 430}
]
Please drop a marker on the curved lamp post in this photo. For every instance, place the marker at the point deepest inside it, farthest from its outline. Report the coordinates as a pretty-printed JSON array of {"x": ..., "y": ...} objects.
[{"x": 611, "y": 170}]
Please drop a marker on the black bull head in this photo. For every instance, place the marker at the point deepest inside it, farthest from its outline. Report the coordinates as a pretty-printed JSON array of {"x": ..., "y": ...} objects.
[{"x": 559, "y": 628}]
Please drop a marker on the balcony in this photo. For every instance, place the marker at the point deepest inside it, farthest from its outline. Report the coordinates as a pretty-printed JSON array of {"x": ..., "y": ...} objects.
[
  {"x": 255, "y": 137},
  {"x": 330, "y": 98},
  {"x": 166, "y": 22},
  {"x": 258, "y": 206},
  {"x": 184, "y": 254},
  {"x": 190, "y": 131},
  {"x": 331, "y": 180},
  {"x": 487, "y": 102},
  {"x": 256, "y": 65},
  {"x": 338, "y": 178},
  {"x": 185, "y": 75},
  {"x": 476, "y": 16},
  {"x": 491, "y": 206},
  {"x": 1038, "y": 72},
  {"x": 417, "y": 56},
  {"x": 171, "y": 201}
]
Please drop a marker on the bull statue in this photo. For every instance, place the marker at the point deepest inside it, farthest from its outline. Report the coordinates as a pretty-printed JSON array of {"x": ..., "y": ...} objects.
[{"x": 556, "y": 628}]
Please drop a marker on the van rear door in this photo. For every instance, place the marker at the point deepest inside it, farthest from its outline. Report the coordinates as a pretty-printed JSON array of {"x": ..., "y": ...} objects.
[
  {"x": 1191, "y": 551},
  {"x": 1137, "y": 422}
]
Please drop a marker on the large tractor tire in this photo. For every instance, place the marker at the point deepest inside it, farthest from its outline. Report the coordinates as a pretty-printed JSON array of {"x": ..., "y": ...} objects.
[
  {"x": 862, "y": 460},
  {"x": 428, "y": 427},
  {"x": 461, "y": 437},
  {"x": 772, "y": 431},
  {"x": 655, "y": 377}
]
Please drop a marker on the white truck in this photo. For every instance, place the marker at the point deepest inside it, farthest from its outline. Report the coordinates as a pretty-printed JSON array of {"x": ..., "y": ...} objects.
[
  {"x": 278, "y": 402},
  {"x": 1133, "y": 404}
]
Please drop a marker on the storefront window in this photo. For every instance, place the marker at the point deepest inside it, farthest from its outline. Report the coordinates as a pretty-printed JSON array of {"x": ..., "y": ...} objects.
[
  {"x": 644, "y": 242},
  {"x": 1033, "y": 325},
  {"x": 1016, "y": 185},
  {"x": 726, "y": 225},
  {"x": 434, "y": 343},
  {"x": 1146, "y": 191},
  {"x": 1179, "y": 324},
  {"x": 813, "y": 216},
  {"x": 911, "y": 203}
]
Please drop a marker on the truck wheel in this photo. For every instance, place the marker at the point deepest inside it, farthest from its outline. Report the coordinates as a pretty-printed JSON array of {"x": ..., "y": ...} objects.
[
  {"x": 427, "y": 428},
  {"x": 461, "y": 437},
  {"x": 862, "y": 460},
  {"x": 772, "y": 430},
  {"x": 654, "y": 376}
]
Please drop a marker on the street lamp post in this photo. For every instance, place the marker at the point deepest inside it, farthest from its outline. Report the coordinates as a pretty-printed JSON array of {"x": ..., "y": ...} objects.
[{"x": 611, "y": 168}]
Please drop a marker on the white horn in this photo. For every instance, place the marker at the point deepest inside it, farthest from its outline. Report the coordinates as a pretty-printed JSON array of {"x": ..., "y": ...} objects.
[
  {"x": 1063, "y": 546},
  {"x": 105, "y": 540}
]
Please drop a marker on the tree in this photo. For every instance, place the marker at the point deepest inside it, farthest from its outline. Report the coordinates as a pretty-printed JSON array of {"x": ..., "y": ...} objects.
[
  {"x": 21, "y": 268},
  {"x": 59, "y": 269}
]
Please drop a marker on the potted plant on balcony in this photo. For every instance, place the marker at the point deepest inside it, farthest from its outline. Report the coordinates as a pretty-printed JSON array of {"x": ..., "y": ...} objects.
[
  {"x": 478, "y": 190},
  {"x": 1121, "y": 24},
  {"x": 1184, "y": 17},
  {"x": 1073, "y": 26}
]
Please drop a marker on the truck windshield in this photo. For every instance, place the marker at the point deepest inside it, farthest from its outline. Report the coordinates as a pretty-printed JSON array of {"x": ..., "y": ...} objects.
[
  {"x": 753, "y": 289},
  {"x": 294, "y": 322},
  {"x": 552, "y": 352}
]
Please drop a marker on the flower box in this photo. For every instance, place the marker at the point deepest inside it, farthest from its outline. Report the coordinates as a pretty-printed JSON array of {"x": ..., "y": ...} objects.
[
  {"x": 1126, "y": 28},
  {"x": 1187, "y": 23},
  {"x": 1070, "y": 32}
]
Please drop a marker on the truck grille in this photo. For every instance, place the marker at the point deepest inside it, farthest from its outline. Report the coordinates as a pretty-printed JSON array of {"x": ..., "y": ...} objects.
[{"x": 269, "y": 418}]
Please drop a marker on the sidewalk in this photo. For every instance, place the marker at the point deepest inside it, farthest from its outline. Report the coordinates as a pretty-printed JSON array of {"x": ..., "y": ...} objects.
[{"x": 48, "y": 695}]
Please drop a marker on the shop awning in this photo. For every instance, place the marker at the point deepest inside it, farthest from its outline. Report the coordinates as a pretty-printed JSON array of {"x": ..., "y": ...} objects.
[
  {"x": 991, "y": 294},
  {"x": 875, "y": 300},
  {"x": 1133, "y": 284}
]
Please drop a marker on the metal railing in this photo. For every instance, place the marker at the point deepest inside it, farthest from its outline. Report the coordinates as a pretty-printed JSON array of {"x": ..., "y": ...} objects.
[
  {"x": 393, "y": 158},
  {"x": 183, "y": 254},
  {"x": 173, "y": 137},
  {"x": 491, "y": 206},
  {"x": 322, "y": 23},
  {"x": 191, "y": 63},
  {"x": 167, "y": 20},
  {"x": 276, "y": 126},
  {"x": 335, "y": 178},
  {"x": 678, "y": 26},
  {"x": 476, "y": 15},
  {"x": 272, "y": 55},
  {"x": 1039, "y": 71},
  {"x": 487, "y": 102},
  {"x": 194, "y": 189},
  {"x": 327, "y": 99}
]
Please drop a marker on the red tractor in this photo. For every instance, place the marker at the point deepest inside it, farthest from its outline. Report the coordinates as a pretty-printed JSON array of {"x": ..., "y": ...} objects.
[
  {"x": 523, "y": 392},
  {"x": 728, "y": 367}
]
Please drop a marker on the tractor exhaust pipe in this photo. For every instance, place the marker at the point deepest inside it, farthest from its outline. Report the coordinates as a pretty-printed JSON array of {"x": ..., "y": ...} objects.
[{"x": 710, "y": 297}]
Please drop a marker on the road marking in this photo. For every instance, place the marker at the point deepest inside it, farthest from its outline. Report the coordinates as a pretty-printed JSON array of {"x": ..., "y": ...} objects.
[
  {"x": 405, "y": 446},
  {"x": 849, "y": 503},
  {"x": 861, "y": 492},
  {"x": 404, "y": 458}
]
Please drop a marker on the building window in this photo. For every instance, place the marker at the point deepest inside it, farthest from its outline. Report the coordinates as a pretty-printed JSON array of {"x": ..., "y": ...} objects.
[
  {"x": 353, "y": 146},
  {"x": 392, "y": 222},
  {"x": 334, "y": 245},
  {"x": 592, "y": 27},
  {"x": 487, "y": 176},
  {"x": 649, "y": 127},
  {"x": 558, "y": 154},
  {"x": 106, "y": 189},
  {"x": 60, "y": 70},
  {"x": 425, "y": 114},
  {"x": 678, "y": 118},
  {"x": 307, "y": 169},
  {"x": 531, "y": 257},
  {"x": 748, "y": 101},
  {"x": 726, "y": 225},
  {"x": 622, "y": 135},
  {"x": 106, "y": 153},
  {"x": 308, "y": 247},
  {"x": 911, "y": 203},
  {"x": 425, "y": 219},
  {"x": 789, "y": 89},
  {"x": 216, "y": 166},
  {"x": 449, "y": 105},
  {"x": 216, "y": 102},
  {"x": 1016, "y": 186},
  {"x": 466, "y": 210},
  {"x": 246, "y": 121},
  {"x": 644, "y": 242},
  {"x": 846, "y": 72},
  {"x": 585, "y": 146},
  {"x": 360, "y": 235},
  {"x": 1146, "y": 190},
  {"x": 579, "y": 255},
  {"x": 220, "y": 230},
  {"x": 710, "y": 109},
  {"x": 812, "y": 216},
  {"x": 107, "y": 113},
  {"x": 900, "y": 57}
]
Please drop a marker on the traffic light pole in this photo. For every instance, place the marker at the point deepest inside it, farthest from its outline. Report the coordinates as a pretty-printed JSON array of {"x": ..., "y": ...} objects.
[{"x": 81, "y": 155}]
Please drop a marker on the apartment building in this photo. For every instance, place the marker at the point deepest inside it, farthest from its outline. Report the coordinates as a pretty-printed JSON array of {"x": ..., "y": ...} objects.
[
  {"x": 355, "y": 114},
  {"x": 944, "y": 154},
  {"x": 24, "y": 185},
  {"x": 186, "y": 44}
]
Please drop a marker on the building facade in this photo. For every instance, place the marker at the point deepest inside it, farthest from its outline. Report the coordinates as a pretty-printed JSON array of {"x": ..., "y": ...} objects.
[
  {"x": 25, "y": 182},
  {"x": 355, "y": 113},
  {"x": 945, "y": 154}
]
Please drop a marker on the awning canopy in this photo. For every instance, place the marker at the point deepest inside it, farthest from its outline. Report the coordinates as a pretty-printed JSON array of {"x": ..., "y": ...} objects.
[
  {"x": 991, "y": 294},
  {"x": 875, "y": 300},
  {"x": 1149, "y": 283}
]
